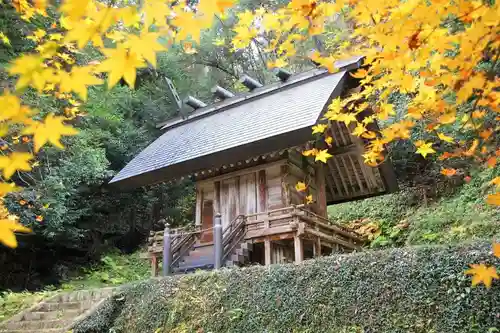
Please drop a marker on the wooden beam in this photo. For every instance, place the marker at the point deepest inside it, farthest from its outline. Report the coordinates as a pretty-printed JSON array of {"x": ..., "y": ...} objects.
[
  {"x": 298, "y": 245},
  {"x": 267, "y": 251},
  {"x": 242, "y": 172},
  {"x": 346, "y": 168},
  {"x": 342, "y": 179},
  {"x": 332, "y": 239},
  {"x": 360, "y": 183},
  {"x": 268, "y": 232},
  {"x": 337, "y": 184}
]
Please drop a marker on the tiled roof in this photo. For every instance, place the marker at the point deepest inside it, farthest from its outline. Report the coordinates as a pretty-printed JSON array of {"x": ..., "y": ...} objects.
[{"x": 255, "y": 117}]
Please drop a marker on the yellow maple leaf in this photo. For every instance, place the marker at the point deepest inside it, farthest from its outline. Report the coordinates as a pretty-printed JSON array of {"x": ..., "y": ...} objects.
[
  {"x": 425, "y": 149},
  {"x": 310, "y": 152},
  {"x": 360, "y": 73},
  {"x": 7, "y": 230},
  {"x": 78, "y": 80},
  {"x": 448, "y": 118},
  {"x": 414, "y": 113},
  {"x": 385, "y": 111},
  {"x": 5, "y": 40},
  {"x": 320, "y": 128},
  {"x": 74, "y": 8},
  {"x": 322, "y": 155},
  {"x": 7, "y": 188},
  {"x": 301, "y": 187},
  {"x": 279, "y": 63},
  {"x": 329, "y": 141},
  {"x": 49, "y": 131},
  {"x": 14, "y": 162},
  {"x": 188, "y": 25},
  {"x": 120, "y": 63},
  {"x": 145, "y": 45},
  {"x": 496, "y": 250},
  {"x": 445, "y": 137},
  {"x": 359, "y": 130},
  {"x": 493, "y": 199},
  {"x": 482, "y": 274},
  {"x": 495, "y": 181},
  {"x": 309, "y": 199},
  {"x": 29, "y": 69}
]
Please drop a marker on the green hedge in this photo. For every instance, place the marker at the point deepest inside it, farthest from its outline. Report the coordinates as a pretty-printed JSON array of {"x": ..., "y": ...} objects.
[{"x": 420, "y": 289}]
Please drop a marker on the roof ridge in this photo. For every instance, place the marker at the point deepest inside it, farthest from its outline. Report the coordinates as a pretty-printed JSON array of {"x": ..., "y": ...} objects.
[{"x": 295, "y": 79}]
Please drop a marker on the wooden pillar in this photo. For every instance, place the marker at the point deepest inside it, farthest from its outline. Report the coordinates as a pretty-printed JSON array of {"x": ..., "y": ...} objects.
[
  {"x": 167, "y": 251},
  {"x": 154, "y": 265},
  {"x": 218, "y": 250},
  {"x": 267, "y": 251},
  {"x": 199, "y": 206},
  {"x": 317, "y": 247},
  {"x": 262, "y": 191},
  {"x": 299, "y": 249},
  {"x": 285, "y": 190},
  {"x": 321, "y": 185},
  {"x": 217, "y": 197}
]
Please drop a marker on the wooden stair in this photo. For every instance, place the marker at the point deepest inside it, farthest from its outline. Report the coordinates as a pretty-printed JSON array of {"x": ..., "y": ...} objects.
[
  {"x": 200, "y": 257},
  {"x": 57, "y": 314},
  {"x": 240, "y": 256}
]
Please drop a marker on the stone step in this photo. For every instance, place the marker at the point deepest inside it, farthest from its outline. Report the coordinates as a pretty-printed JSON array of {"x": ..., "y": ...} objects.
[
  {"x": 51, "y": 315},
  {"x": 38, "y": 324},
  {"x": 49, "y": 330},
  {"x": 49, "y": 306}
]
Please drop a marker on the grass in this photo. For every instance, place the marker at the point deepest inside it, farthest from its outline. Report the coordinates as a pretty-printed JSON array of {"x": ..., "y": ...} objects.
[
  {"x": 401, "y": 219},
  {"x": 114, "y": 269}
]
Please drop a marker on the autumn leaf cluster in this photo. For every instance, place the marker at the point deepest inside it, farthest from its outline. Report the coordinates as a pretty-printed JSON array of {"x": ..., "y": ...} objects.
[{"x": 127, "y": 38}]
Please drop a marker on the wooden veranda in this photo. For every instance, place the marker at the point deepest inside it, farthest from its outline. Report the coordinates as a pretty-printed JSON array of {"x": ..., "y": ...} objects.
[{"x": 287, "y": 234}]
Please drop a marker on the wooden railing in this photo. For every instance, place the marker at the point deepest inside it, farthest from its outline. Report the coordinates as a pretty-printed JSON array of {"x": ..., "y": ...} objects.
[
  {"x": 233, "y": 235},
  {"x": 299, "y": 219}
]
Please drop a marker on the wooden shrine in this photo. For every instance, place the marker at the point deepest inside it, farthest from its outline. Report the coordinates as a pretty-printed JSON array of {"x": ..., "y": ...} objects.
[{"x": 244, "y": 154}]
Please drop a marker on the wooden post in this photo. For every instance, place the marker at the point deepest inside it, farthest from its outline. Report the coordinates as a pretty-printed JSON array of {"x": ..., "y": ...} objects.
[
  {"x": 218, "y": 250},
  {"x": 199, "y": 206},
  {"x": 154, "y": 265},
  {"x": 299, "y": 249},
  {"x": 167, "y": 251},
  {"x": 317, "y": 247},
  {"x": 267, "y": 251}
]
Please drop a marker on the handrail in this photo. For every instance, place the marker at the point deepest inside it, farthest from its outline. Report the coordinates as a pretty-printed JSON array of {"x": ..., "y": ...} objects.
[
  {"x": 182, "y": 251},
  {"x": 234, "y": 233},
  {"x": 324, "y": 222}
]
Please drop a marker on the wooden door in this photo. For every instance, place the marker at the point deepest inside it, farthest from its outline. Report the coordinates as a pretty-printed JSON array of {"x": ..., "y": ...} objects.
[{"x": 207, "y": 221}]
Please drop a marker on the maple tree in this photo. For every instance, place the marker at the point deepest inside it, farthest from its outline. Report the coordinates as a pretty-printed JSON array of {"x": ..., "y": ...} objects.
[{"x": 442, "y": 54}]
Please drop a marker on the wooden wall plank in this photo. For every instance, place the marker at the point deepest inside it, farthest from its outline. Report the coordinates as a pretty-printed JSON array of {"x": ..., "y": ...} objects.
[
  {"x": 262, "y": 191},
  {"x": 285, "y": 186},
  {"x": 273, "y": 180}
]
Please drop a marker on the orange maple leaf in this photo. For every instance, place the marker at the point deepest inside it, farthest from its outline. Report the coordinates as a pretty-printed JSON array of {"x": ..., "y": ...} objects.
[
  {"x": 482, "y": 274},
  {"x": 449, "y": 172},
  {"x": 496, "y": 250}
]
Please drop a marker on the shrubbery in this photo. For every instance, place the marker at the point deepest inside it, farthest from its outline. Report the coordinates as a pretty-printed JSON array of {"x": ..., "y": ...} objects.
[{"x": 421, "y": 289}]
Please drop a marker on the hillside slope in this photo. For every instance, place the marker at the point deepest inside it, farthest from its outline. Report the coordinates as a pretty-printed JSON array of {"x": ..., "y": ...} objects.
[{"x": 414, "y": 289}]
